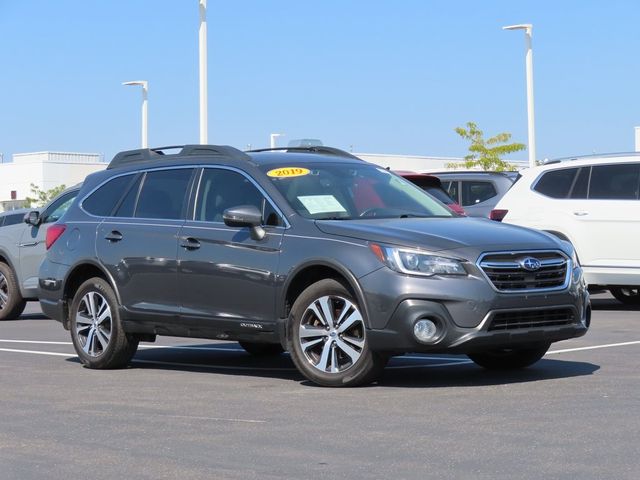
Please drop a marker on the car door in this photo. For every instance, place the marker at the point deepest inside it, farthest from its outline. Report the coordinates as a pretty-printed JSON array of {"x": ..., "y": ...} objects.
[
  {"x": 606, "y": 225},
  {"x": 226, "y": 278},
  {"x": 138, "y": 245},
  {"x": 32, "y": 240}
]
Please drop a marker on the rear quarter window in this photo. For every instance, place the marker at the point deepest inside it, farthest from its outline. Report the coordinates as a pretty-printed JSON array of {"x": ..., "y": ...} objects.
[
  {"x": 102, "y": 202},
  {"x": 477, "y": 192},
  {"x": 556, "y": 183}
]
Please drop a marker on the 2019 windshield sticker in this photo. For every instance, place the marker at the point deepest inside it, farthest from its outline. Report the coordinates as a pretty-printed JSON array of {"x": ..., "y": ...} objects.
[
  {"x": 321, "y": 204},
  {"x": 286, "y": 172}
]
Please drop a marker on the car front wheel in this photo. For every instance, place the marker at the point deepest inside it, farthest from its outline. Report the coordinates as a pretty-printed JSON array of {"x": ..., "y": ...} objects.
[
  {"x": 327, "y": 337},
  {"x": 509, "y": 358},
  {"x": 627, "y": 295},
  {"x": 96, "y": 330}
]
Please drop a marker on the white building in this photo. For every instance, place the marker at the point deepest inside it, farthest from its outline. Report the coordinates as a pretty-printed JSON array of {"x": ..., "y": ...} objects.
[
  {"x": 421, "y": 164},
  {"x": 46, "y": 170}
]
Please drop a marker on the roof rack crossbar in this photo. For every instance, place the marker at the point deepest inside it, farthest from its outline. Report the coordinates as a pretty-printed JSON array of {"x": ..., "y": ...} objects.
[
  {"x": 310, "y": 149},
  {"x": 141, "y": 155}
]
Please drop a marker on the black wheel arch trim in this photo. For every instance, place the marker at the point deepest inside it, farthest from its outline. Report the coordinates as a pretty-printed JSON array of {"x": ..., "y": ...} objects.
[
  {"x": 351, "y": 279},
  {"x": 7, "y": 259},
  {"x": 94, "y": 263}
]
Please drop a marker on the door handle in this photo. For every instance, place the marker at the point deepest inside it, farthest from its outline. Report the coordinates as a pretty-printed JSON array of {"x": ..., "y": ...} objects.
[
  {"x": 114, "y": 236},
  {"x": 580, "y": 213},
  {"x": 189, "y": 243}
]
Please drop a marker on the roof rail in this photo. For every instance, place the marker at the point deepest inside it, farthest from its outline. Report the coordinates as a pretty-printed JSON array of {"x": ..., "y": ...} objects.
[
  {"x": 591, "y": 155},
  {"x": 310, "y": 149},
  {"x": 142, "y": 155}
]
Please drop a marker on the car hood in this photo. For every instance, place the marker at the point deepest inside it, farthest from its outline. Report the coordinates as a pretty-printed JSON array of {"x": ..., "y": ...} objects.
[{"x": 441, "y": 233}]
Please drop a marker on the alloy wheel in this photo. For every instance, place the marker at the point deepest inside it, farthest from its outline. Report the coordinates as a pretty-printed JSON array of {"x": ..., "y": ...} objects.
[
  {"x": 93, "y": 324},
  {"x": 4, "y": 291},
  {"x": 332, "y": 334}
]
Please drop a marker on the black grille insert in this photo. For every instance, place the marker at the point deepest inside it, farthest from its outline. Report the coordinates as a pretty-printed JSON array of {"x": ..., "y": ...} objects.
[
  {"x": 553, "y": 317},
  {"x": 507, "y": 273}
]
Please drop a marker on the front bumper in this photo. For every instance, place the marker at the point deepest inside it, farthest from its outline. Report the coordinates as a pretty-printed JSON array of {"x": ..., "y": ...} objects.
[
  {"x": 471, "y": 316},
  {"x": 398, "y": 335}
]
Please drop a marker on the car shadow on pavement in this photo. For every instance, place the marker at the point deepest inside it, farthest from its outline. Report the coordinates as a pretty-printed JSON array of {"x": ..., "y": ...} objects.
[
  {"x": 412, "y": 371},
  {"x": 611, "y": 304},
  {"x": 470, "y": 375}
]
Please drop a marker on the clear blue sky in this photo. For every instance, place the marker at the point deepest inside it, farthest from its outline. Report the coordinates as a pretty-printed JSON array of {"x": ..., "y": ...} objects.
[{"x": 394, "y": 76}]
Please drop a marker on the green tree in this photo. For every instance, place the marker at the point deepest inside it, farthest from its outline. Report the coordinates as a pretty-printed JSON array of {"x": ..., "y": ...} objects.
[
  {"x": 42, "y": 197},
  {"x": 487, "y": 154}
]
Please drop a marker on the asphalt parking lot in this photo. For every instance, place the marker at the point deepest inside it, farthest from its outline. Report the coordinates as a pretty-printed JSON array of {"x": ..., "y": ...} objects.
[{"x": 203, "y": 409}]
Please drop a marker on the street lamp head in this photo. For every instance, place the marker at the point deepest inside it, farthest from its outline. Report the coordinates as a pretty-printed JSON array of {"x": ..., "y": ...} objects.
[
  {"x": 142, "y": 83},
  {"x": 521, "y": 26}
]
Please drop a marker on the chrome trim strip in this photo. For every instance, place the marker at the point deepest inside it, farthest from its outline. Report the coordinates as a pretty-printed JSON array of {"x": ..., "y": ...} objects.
[
  {"x": 547, "y": 263},
  {"x": 564, "y": 286}
]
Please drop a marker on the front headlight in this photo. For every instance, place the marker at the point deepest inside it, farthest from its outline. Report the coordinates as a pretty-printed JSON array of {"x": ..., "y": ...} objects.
[{"x": 415, "y": 262}]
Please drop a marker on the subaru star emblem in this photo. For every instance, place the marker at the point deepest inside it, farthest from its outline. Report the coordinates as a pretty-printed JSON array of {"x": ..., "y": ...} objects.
[{"x": 531, "y": 264}]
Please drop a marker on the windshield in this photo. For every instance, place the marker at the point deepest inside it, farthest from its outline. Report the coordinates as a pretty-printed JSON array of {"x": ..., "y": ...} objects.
[{"x": 351, "y": 191}]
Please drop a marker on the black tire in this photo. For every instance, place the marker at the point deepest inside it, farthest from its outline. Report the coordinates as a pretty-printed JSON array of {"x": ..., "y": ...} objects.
[
  {"x": 262, "y": 349},
  {"x": 627, "y": 295},
  {"x": 364, "y": 369},
  {"x": 11, "y": 302},
  {"x": 93, "y": 353},
  {"x": 509, "y": 358}
]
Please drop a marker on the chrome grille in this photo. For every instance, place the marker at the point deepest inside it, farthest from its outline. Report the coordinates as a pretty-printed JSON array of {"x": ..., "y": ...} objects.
[
  {"x": 553, "y": 317},
  {"x": 506, "y": 272}
]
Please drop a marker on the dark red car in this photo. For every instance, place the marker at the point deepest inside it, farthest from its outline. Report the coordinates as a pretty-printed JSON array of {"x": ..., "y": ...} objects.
[{"x": 432, "y": 186}]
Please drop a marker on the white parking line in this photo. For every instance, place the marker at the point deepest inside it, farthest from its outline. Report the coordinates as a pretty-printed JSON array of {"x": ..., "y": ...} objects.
[
  {"x": 593, "y": 347},
  {"x": 36, "y": 352},
  {"x": 448, "y": 362}
]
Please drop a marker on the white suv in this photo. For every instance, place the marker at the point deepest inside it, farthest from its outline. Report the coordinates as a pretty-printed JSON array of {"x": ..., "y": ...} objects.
[{"x": 593, "y": 202}]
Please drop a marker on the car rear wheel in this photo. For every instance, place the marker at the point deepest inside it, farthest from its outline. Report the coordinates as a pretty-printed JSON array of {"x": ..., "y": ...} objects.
[
  {"x": 11, "y": 302},
  {"x": 262, "y": 349},
  {"x": 96, "y": 330},
  {"x": 327, "y": 337},
  {"x": 509, "y": 358},
  {"x": 627, "y": 295}
]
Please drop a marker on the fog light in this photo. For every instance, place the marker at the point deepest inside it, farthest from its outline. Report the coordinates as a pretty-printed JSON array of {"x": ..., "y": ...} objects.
[{"x": 425, "y": 330}]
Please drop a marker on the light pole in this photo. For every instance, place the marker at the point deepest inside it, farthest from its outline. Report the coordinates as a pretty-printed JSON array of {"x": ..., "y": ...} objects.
[
  {"x": 202, "y": 42},
  {"x": 527, "y": 27},
  {"x": 145, "y": 90},
  {"x": 273, "y": 137}
]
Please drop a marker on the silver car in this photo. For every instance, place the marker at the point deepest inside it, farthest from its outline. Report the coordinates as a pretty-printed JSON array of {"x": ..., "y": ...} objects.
[{"x": 22, "y": 248}]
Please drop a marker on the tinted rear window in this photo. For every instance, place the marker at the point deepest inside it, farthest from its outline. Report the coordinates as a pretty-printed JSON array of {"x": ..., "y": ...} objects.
[
  {"x": 163, "y": 194},
  {"x": 102, "y": 202},
  {"x": 615, "y": 182},
  {"x": 556, "y": 183},
  {"x": 11, "y": 219},
  {"x": 477, "y": 192}
]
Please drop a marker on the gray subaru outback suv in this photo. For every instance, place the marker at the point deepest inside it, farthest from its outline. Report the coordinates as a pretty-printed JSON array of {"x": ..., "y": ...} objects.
[{"x": 336, "y": 260}]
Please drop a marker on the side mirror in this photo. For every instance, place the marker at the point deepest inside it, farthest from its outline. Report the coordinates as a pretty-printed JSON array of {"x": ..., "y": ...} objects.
[
  {"x": 245, "y": 216},
  {"x": 32, "y": 218}
]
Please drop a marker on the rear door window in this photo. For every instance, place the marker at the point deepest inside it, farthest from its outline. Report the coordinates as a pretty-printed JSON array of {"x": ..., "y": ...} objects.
[
  {"x": 615, "y": 182},
  {"x": 452, "y": 190},
  {"x": 477, "y": 192},
  {"x": 556, "y": 183},
  {"x": 164, "y": 194},
  {"x": 11, "y": 219},
  {"x": 581, "y": 183}
]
